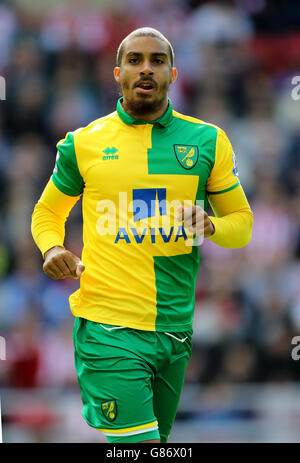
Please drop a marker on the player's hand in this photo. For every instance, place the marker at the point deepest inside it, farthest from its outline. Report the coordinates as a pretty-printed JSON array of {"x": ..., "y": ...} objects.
[
  {"x": 60, "y": 263},
  {"x": 196, "y": 220}
]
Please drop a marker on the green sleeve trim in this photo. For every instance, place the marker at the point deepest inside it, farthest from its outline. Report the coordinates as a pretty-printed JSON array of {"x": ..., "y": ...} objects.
[
  {"x": 223, "y": 191},
  {"x": 66, "y": 176}
]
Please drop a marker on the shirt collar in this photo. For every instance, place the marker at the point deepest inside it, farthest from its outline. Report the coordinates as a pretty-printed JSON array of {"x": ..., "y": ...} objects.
[{"x": 163, "y": 120}]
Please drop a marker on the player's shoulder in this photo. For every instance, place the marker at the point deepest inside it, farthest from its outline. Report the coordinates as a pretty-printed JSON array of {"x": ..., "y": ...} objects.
[
  {"x": 95, "y": 125},
  {"x": 194, "y": 121}
]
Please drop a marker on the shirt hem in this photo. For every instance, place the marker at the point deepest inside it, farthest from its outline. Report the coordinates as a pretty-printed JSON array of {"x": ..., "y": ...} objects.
[{"x": 135, "y": 326}]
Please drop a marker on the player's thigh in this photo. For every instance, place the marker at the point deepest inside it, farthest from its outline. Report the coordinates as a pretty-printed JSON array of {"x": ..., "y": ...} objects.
[
  {"x": 167, "y": 390},
  {"x": 116, "y": 385}
]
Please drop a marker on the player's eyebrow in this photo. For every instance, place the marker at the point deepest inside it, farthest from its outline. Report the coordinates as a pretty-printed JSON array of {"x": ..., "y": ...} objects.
[
  {"x": 162, "y": 54},
  {"x": 137, "y": 53}
]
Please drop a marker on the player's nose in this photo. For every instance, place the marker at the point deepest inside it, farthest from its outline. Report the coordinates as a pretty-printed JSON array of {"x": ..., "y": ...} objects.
[{"x": 146, "y": 68}]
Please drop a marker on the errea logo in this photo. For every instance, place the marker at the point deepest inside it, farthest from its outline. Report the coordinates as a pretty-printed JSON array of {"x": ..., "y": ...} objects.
[{"x": 110, "y": 153}]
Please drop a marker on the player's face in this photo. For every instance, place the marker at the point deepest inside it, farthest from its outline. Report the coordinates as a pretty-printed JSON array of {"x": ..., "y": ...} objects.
[{"x": 145, "y": 74}]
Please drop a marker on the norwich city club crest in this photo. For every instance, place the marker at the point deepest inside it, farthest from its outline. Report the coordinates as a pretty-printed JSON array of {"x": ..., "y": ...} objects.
[
  {"x": 187, "y": 155},
  {"x": 109, "y": 409}
]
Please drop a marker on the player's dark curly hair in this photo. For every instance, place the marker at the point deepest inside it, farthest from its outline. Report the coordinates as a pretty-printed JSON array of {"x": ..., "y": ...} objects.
[{"x": 145, "y": 32}]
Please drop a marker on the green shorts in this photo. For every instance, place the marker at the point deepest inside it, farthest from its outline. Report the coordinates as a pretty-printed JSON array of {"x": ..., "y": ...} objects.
[{"x": 130, "y": 380}]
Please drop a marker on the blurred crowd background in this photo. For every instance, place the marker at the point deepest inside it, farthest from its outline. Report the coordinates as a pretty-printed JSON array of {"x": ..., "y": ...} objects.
[{"x": 236, "y": 60}]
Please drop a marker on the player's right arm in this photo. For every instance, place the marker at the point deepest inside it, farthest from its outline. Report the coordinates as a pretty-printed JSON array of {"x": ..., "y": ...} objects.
[{"x": 50, "y": 213}]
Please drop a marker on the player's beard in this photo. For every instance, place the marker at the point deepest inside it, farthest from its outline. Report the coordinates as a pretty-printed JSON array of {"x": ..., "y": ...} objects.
[{"x": 143, "y": 106}]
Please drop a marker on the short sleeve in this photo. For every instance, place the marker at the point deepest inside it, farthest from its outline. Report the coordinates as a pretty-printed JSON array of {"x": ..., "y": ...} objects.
[
  {"x": 66, "y": 176},
  {"x": 224, "y": 174}
]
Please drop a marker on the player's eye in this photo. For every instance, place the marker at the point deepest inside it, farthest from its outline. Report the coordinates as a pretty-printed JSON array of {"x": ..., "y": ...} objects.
[{"x": 132, "y": 60}]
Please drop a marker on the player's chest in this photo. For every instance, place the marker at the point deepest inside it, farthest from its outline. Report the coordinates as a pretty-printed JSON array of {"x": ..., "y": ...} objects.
[{"x": 145, "y": 158}]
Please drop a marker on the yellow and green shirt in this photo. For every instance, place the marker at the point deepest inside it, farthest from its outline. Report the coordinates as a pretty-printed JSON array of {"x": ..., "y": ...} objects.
[{"x": 139, "y": 270}]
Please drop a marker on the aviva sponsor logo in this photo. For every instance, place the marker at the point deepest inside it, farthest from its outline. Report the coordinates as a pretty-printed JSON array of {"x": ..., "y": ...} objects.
[
  {"x": 145, "y": 218},
  {"x": 110, "y": 153},
  {"x": 124, "y": 234},
  {"x": 149, "y": 203},
  {"x": 146, "y": 200}
]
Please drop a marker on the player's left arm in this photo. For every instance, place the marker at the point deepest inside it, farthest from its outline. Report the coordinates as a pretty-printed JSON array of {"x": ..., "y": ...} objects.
[
  {"x": 231, "y": 226},
  {"x": 233, "y": 216},
  {"x": 233, "y": 219}
]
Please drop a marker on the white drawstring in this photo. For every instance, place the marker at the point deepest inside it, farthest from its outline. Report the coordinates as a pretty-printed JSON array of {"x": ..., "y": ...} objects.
[
  {"x": 113, "y": 328},
  {"x": 178, "y": 339}
]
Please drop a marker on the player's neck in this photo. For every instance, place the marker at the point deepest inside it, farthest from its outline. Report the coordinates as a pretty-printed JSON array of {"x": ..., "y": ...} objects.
[{"x": 150, "y": 116}]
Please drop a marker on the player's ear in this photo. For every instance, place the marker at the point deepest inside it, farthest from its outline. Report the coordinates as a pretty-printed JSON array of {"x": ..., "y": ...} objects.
[
  {"x": 174, "y": 75},
  {"x": 117, "y": 73}
]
